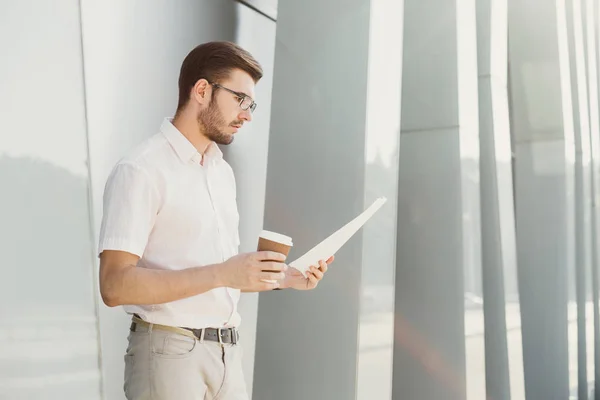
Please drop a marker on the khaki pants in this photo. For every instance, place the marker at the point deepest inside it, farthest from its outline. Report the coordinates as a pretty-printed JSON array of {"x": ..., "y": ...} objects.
[{"x": 164, "y": 365}]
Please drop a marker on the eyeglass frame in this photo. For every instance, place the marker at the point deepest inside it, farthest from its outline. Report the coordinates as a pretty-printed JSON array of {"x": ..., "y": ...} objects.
[{"x": 240, "y": 95}]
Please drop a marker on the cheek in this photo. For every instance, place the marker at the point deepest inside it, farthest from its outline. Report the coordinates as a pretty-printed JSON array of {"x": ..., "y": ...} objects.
[
  {"x": 231, "y": 117},
  {"x": 227, "y": 113}
]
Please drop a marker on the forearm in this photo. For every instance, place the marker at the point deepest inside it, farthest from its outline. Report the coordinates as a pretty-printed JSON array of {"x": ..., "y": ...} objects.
[{"x": 136, "y": 285}]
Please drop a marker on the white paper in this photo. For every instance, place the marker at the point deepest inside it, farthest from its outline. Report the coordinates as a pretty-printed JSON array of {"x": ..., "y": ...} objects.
[{"x": 336, "y": 240}]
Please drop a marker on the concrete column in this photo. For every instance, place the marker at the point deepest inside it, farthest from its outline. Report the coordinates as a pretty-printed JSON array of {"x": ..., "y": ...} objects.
[
  {"x": 593, "y": 32},
  {"x": 542, "y": 120},
  {"x": 500, "y": 291},
  {"x": 438, "y": 241},
  {"x": 319, "y": 176},
  {"x": 576, "y": 28}
]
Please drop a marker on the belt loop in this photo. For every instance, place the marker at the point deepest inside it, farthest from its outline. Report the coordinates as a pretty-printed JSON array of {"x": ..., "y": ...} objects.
[
  {"x": 202, "y": 335},
  {"x": 150, "y": 335}
]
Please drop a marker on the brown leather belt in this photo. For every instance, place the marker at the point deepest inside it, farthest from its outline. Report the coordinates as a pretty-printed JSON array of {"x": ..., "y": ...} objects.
[{"x": 220, "y": 335}]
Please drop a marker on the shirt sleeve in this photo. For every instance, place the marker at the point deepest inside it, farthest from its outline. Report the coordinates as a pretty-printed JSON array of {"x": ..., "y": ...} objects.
[{"x": 130, "y": 205}]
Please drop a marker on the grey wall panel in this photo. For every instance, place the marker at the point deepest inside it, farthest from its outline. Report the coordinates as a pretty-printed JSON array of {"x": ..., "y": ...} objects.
[
  {"x": 429, "y": 312},
  {"x": 497, "y": 211},
  {"x": 267, "y": 8},
  {"x": 543, "y": 283},
  {"x": 545, "y": 157},
  {"x": 48, "y": 322},
  {"x": 592, "y": 36},
  {"x": 576, "y": 25},
  {"x": 307, "y": 342},
  {"x": 433, "y": 89},
  {"x": 439, "y": 347}
]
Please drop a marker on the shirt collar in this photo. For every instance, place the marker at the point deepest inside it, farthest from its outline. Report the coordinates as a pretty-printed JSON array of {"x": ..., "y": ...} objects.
[{"x": 183, "y": 147}]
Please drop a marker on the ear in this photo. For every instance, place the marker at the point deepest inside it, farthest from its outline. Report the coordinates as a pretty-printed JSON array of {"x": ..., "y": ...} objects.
[{"x": 201, "y": 92}]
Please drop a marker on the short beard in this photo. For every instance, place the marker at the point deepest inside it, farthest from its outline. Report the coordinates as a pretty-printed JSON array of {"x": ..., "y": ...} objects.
[{"x": 210, "y": 121}]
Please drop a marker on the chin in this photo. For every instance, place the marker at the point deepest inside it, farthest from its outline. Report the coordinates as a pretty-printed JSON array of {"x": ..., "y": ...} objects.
[
  {"x": 225, "y": 140},
  {"x": 221, "y": 138}
]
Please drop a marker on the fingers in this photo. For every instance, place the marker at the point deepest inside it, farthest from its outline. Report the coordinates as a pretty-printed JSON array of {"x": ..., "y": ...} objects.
[
  {"x": 270, "y": 256},
  {"x": 267, "y": 286},
  {"x": 271, "y": 276},
  {"x": 312, "y": 279},
  {"x": 323, "y": 266},
  {"x": 330, "y": 260},
  {"x": 272, "y": 266},
  {"x": 316, "y": 272}
]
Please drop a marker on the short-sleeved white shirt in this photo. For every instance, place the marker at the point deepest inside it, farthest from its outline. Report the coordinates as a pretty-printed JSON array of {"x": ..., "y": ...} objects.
[{"x": 162, "y": 204}]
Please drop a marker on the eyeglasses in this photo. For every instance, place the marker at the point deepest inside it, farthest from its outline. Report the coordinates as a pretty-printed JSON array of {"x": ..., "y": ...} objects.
[{"x": 246, "y": 102}]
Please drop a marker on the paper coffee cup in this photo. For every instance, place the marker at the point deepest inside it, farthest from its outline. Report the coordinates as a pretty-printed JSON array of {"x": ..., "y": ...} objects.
[{"x": 272, "y": 241}]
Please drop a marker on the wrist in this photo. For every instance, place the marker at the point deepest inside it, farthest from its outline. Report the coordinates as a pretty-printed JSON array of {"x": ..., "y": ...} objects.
[
  {"x": 283, "y": 284},
  {"x": 216, "y": 276}
]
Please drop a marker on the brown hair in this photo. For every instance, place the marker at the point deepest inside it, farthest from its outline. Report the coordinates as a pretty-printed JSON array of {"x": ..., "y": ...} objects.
[{"x": 214, "y": 61}]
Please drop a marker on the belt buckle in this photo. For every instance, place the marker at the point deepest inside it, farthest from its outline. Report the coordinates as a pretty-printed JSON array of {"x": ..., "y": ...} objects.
[{"x": 220, "y": 336}]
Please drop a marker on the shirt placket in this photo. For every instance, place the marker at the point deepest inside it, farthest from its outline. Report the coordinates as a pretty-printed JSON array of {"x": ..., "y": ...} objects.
[{"x": 209, "y": 169}]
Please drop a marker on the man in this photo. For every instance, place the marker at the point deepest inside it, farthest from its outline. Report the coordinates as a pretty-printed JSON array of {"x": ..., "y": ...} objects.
[{"x": 169, "y": 239}]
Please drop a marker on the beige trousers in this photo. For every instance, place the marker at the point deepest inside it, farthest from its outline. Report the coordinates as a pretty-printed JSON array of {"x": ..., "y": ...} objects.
[{"x": 163, "y": 365}]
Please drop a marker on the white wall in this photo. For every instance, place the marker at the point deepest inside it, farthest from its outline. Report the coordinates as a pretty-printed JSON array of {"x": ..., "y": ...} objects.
[
  {"x": 132, "y": 52},
  {"x": 48, "y": 326}
]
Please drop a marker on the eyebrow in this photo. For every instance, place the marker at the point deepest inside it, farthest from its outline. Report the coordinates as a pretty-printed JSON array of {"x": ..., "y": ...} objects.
[
  {"x": 240, "y": 92},
  {"x": 236, "y": 91},
  {"x": 247, "y": 95}
]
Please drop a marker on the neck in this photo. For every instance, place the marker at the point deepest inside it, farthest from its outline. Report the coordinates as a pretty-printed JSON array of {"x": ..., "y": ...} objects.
[{"x": 188, "y": 126}]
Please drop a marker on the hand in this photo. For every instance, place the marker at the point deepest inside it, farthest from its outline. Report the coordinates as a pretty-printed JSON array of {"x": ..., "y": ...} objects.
[
  {"x": 295, "y": 280},
  {"x": 247, "y": 271}
]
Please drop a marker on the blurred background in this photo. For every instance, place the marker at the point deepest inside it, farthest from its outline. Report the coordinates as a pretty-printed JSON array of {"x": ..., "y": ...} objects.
[{"x": 477, "y": 119}]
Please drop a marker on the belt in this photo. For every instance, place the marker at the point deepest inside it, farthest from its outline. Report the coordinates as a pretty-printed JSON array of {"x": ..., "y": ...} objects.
[{"x": 220, "y": 335}]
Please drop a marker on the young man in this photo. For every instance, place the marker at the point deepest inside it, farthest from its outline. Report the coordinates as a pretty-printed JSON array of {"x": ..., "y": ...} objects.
[{"x": 169, "y": 239}]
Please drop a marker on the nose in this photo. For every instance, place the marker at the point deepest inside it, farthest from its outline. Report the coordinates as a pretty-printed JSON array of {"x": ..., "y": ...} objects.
[{"x": 246, "y": 115}]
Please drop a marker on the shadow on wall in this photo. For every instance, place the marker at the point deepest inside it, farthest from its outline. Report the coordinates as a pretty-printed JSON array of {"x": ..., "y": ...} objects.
[{"x": 47, "y": 312}]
